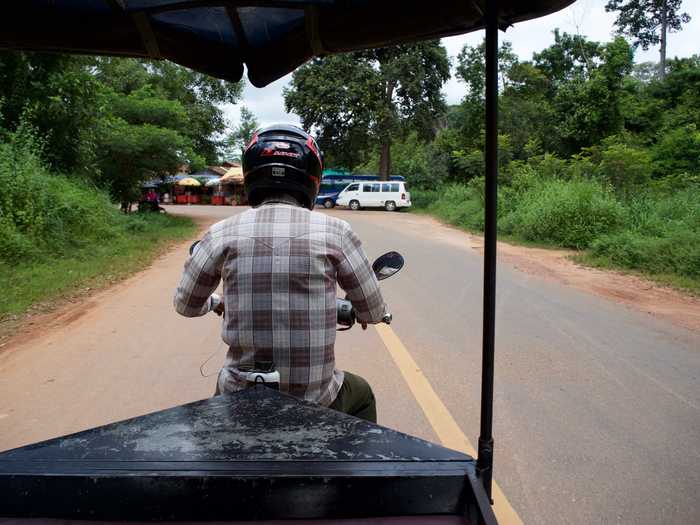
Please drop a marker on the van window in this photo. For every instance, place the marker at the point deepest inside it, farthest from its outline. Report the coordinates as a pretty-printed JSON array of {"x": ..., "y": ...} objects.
[
  {"x": 367, "y": 188},
  {"x": 386, "y": 187},
  {"x": 395, "y": 187},
  {"x": 353, "y": 187},
  {"x": 376, "y": 188}
]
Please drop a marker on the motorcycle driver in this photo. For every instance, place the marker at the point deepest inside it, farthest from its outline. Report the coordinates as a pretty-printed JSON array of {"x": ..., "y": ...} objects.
[{"x": 280, "y": 263}]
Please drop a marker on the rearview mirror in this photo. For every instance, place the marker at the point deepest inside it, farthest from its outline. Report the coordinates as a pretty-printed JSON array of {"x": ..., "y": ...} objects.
[
  {"x": 193, "y": 246},
  {"x": 387, "y": 265}
]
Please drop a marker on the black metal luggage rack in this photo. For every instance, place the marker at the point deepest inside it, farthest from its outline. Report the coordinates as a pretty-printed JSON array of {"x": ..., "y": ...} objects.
[{"x": 253, "y": 455}]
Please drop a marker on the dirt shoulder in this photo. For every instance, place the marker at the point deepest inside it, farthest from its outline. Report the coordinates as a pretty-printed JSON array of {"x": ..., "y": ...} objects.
[{"x": 45, "y": 316}]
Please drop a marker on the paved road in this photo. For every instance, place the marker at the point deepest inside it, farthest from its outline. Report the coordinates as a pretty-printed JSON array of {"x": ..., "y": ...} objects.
[{"x": 597, "y": 407}]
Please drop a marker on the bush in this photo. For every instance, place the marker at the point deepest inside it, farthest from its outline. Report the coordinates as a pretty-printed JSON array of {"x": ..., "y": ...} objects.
[
  {"x": 678, "y": 252},
  {"x": 423, "y": 198},
  {"x": 43, "y": 213},
  {"x": 456, "y": 204},
  {"x": 626, "y": 168},
  {"x": 469, "y": 164},
  {"x": 567, "y": 213},
  {"x": 678, "y": 151},
  {"x": 654, "y": 231}
]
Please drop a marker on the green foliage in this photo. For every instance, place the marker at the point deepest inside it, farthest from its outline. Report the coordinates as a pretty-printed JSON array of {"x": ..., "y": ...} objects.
[
  {"x": 469, "y": 163},
  {"x": 240, "y": 136},
  {"x": 87, "y": 109},
  {"x": 59, "y": 97},
  {"x": 339, "y": 95},
  {"x": 57, "y": 232},
  {"x": 641, "y": 19},
  {"x": 566, "y": 213},
  {"x": 662, "y": 238},
  {"x": 657, "y": 233},
  {"x": 41, "y": 213},
  {"x": 678, "y": 151},
  {"x": 589, "y": 110},
  {"x": 364, "y": 101},
  {"x": 142, "y": 139},
  {"x": 457, "y": 204},
  {"x": 571, "y": 57},
  {"x": 200, "y": 96},
  {"x": 627, "y": 168},
  {"x": 471, "y": 71}
]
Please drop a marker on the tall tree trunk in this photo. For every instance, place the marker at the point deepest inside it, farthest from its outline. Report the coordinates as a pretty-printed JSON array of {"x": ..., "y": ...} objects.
[
  {"x": 385, "y": 144},
  {"x": 385, "y": 160},
  {"x": 662, "y": 48}
]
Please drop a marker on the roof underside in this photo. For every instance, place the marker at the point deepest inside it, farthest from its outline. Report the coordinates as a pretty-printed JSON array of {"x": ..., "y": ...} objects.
[{"x": 215, "y": 37}]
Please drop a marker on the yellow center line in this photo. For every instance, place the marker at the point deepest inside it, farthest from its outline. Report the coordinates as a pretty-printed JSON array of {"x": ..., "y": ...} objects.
[{"x": 440, "y": 419}]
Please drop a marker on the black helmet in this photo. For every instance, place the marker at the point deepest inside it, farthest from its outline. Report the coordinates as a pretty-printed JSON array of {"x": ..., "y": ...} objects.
[{"x": 282, "y": 159}]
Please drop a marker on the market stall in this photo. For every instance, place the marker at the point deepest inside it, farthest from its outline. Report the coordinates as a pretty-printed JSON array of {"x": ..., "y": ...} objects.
[
  {"x": 232, "y": 188},
  {"x": 214, "y": 191},
  {"x": 187, "y": 191}
]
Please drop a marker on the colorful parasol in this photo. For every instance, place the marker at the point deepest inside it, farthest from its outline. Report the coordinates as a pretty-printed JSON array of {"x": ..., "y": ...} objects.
[{"x": 189, "y": 181}]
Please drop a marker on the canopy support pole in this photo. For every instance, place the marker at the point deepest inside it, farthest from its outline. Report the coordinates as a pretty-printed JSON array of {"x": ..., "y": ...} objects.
[{"x": 485, "y": 457}]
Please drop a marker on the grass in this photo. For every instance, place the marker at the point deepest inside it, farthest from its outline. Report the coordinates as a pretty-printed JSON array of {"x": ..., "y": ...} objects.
[
  {"x": 679, "y": 282},
  {"x": 60, "y": 234},
  {"x": 92, "y": 265},
  {"x": 656, "y": 235}
]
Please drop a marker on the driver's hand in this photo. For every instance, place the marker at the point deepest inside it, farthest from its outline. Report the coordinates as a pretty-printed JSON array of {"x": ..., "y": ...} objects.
[
  {"x": 219, "y": 309},
  {"x": 216, "y": 305}
]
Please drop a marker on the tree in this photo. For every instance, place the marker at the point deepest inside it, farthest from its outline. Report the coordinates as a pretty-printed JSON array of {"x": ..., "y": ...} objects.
[
  {"x": 570, "y": 57},
  {"x": 58, "y": 97},
  {"x": 371, "y": 98},
  {"x": 589, "y": 110},
  {"x": 526, "y": 111},
  {"x": 61, "y": 97},
  {"x": 471, "y": 70},
  {"x": 237, "y": 139},
  {"x": 337, "y": 95},
  {"x": 649, "y": 22},
  {"x": 200, "y": 95},
  {"x": 141, "y": 138}
]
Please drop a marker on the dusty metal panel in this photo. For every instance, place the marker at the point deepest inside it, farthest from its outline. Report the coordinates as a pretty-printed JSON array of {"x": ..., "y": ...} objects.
[{"x": 257, "y": 454}]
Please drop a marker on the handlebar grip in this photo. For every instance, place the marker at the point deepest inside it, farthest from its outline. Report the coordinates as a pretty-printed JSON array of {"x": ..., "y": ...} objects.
[{"x": 345, "y": 312}]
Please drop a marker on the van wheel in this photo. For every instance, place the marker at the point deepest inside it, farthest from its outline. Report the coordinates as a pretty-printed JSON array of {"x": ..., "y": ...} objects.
[
  {"x": 390, "y": 206},
  {"x": 328, "y": 204},
  {"x": 354, "y": 205}
]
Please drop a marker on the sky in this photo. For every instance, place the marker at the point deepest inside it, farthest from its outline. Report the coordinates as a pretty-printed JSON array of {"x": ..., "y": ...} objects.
[{"x": 585, "y": 17}]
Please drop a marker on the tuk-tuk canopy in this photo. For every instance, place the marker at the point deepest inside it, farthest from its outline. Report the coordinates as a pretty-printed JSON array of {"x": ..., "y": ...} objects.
[{"x": 271, "y": 38}]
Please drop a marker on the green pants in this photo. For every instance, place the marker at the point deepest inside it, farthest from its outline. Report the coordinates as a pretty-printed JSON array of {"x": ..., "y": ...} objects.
[{"x": 356, "y": 398}]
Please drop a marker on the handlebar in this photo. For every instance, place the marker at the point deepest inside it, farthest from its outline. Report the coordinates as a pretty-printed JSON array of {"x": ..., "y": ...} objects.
[{"x": 346, "y": 314}]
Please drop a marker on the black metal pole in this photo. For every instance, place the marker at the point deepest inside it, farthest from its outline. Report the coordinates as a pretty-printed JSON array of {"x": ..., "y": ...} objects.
[{"x": 485, "y": 459}]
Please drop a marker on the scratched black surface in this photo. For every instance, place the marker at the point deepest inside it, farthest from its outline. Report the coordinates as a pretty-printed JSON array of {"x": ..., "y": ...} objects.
[
  {"x": 253, "y": 455},
  {"x": 255, "y": 425}
]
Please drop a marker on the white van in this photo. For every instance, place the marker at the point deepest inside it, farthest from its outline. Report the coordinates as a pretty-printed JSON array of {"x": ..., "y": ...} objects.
[{"x": 390, "y": 195}]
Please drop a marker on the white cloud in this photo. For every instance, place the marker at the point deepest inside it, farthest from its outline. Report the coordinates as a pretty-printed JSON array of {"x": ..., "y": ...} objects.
[
  {"x": 266, "y": 104},
  {"x": 585, "y": 17}
]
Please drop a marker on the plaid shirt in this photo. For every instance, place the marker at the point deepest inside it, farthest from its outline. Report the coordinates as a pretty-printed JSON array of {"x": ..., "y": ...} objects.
[{"x": 280, "y": 265}]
